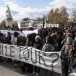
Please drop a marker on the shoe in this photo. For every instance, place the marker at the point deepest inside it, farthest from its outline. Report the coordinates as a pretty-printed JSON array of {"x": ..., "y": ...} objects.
[{"x": 34, "y": 73}]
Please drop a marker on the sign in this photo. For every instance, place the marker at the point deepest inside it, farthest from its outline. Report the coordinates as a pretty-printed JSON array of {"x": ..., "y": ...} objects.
[
  {"x": 23, "y": 33},
  {"x": 47, "y": 60}
]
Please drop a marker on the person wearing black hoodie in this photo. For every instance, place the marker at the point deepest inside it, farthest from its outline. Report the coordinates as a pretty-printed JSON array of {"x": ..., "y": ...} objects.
[{"x": 38, "y": 45}]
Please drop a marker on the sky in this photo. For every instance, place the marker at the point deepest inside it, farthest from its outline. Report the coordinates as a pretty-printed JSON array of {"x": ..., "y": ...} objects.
[{"x": 33, "y": 8}]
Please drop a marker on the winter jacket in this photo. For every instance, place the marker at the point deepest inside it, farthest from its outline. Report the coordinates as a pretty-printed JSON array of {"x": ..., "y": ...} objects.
[{"x": 48, "y": 48}]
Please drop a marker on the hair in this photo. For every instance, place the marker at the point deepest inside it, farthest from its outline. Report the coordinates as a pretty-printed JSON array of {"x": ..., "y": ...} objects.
[{"x": 49, "y": 40}]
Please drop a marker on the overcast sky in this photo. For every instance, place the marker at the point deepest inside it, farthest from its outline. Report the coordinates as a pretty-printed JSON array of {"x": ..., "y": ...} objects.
[{"x": 32, "y": 8}]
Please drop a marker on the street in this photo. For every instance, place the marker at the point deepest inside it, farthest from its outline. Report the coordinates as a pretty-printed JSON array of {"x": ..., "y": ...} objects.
[{"x": 8, "y": 69}]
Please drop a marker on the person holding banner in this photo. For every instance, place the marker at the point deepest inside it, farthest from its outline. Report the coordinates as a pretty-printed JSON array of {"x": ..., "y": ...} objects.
[
  {"x": 73, "y": 58},
  {"x": 48, "y": 47},
  {"x": 66, "y": 51},
  {"x": 38, "y": 45}
]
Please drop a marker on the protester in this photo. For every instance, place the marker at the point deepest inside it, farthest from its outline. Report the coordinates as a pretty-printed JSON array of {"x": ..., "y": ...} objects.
[
  {"x": 54, "y": 37},
  {"x": 8, "y": 38},
  {"x": 59, "y": 40},
  {"x": 30, "y": 39},
  {"x": 38, "y": 42},
  {"x": 14, "y": 38},
  {"x": 38, "y": 45},
  {"x": 2, "y": 36},
  {"x": 47, "y": 40},
  {"x": 73, "y": 58},
  {"x": 65, "y": 51},
  {"x": 49, "y": 45}
]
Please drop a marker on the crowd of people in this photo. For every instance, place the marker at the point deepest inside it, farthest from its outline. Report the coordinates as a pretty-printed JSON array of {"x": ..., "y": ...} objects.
[{"x": 48, "y": 40}]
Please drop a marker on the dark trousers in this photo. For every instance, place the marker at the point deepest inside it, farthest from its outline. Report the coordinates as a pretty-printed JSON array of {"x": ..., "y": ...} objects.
[{"x": 66, "y": 70}]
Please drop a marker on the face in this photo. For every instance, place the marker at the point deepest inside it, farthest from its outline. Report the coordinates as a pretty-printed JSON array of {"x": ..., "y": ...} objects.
[
  {"x": 69, "y": 42},
  {"x": 36, "y": 39}
]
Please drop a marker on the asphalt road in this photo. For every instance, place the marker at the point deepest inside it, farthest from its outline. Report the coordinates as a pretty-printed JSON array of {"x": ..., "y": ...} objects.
[{"x": 8, "y": 69}]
